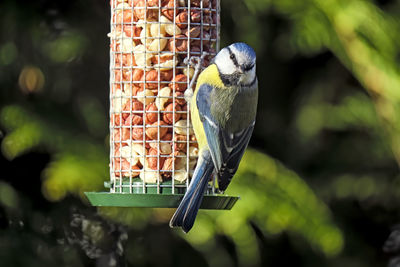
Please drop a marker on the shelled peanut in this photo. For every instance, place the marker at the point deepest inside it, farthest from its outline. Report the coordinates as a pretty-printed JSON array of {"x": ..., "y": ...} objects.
[{"x": 151, "y": 133}]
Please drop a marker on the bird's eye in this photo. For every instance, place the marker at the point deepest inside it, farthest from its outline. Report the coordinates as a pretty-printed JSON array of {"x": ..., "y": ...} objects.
[{"x": 233, "y": 58}]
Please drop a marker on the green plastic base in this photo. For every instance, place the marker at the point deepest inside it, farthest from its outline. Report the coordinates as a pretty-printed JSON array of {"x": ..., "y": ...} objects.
[{"x": 106, "y": 199}]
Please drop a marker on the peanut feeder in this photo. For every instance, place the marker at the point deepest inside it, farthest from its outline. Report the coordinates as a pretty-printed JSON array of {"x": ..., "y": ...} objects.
[{"x": 153, "y": 149}]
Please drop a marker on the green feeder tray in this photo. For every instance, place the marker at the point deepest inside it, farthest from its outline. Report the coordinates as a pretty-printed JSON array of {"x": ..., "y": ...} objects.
[{"x": 152, "y": 199}]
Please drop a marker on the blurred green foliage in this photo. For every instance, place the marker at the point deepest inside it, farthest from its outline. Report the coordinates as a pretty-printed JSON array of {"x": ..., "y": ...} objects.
[
  {"x": 365, "y": 39},
  {"x": 74, "y": 156},
  {"x": 325, "y": 172},
  {"x": 276, "y": 200},
  {"x": 66, "y": 47}
]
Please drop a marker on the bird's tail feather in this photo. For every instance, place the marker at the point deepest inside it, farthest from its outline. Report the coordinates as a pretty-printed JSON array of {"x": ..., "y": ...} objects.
[{"x": 185, "y": 214}]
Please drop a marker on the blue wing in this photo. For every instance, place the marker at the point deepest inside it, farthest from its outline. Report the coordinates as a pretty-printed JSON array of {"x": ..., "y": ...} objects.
[
  {"x": 232, "y": 152},
  {"x": 211, "y": 126},
  {"x": 226, "y": 148}
]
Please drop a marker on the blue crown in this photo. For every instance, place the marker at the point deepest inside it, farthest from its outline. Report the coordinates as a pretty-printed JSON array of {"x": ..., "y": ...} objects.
[{"x": 244, "y": 48}]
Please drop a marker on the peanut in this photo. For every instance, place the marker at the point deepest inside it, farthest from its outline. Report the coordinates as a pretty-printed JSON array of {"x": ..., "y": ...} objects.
[
  {"x": 162, "y": 97},
  {"x": 180, "y": 98},
  {"x": 135, "y": 173},
  {"x": 132, "y": 31},
  {"x": 142, "y": 57},
  {"x": 179, "y": 83},
  {"x": 145, "y": 96},
  {"x": 157, "y": 45},
  {"x": 169, "y": 27},
  {"x": 167, "y": 8},
  {"x": 130, "y": 155},
  {"x": 122, "y": 167},
  {"x": 166, "y": 65},
  {"x": 168, "y": 116},
  {"x": 118, "y": 101},
  {"x": 193, "y": 152},
  {"x": 154, "y": 161},
  {"x": 127, "y": 45},
  {"x": 180, "y": 142},
  {"x": 207, "y": 21},
  {"x": 166, "y": 75},
  {"x": 115, "y": 34},
  {"x": 130, "y": 106},
  {"x": 137, "y": 75},
  {"x": 137, "y": 133},
  {"x": 165, "y": 148},
  {"x": 180, "y": 175},
  {"x": 123, "y": 16},
  {"x": 133, "y": 120},
  {"x": 176, "y": 160},
  {"x": 172, "y": 30},
  {"x": 116, "y": 136},
  {"x": 125, "y": 134},
  {"x": 152, "y": 130},
  {"x": 197, "y": 3},
  {"x": 151, "y": 113},
  {"x": 163, "y": 57},
  {"x": 157, "y": 30},
  {"x": 128, "y": 60},
  {"x": 150, "y": 3},
  {"x": 193, "y": 32},
  {"x": 167, "y": 166},
  {"x": 116, "y": 119},
  {"x": 179, "y": 44},
  {"x": 181, "y": 19},
  {"x": 143, "y": 12},
  {"x": 152, "y": 79},
  {"x": 180, "y": 127},
  {"x": 180, "y": 160},
  {"x": 167, "y": 137},
  {"x": 185, "y": 114},
  {"x": 150, "y": 176},
  {"x": 195, "y": 16},
  {"x": 189, "y": 72}
]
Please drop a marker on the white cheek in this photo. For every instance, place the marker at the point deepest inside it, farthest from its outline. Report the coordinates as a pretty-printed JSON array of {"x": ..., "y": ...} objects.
[
  {"x": 224, "y": 63},
  {"x": 226, "y": 68}
]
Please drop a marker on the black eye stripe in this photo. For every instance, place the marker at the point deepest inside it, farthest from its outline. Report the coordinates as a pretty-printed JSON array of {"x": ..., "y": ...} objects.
[
  {"x": 232, "y": 57},
  {"x": 248, "y": 67}
]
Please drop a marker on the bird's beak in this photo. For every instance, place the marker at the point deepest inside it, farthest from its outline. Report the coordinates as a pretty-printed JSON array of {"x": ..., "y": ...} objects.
[{"x": 245, "y": 68}]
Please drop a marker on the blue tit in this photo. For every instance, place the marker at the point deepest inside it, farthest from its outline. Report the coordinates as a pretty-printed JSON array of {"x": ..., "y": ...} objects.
[{"x": 223, "y": 111}]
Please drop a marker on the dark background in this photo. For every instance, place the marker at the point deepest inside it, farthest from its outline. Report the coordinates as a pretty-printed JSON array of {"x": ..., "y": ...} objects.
[{"x": 319, "y": 187}]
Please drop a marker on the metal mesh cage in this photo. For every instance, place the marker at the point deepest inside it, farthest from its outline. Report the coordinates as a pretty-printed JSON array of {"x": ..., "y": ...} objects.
[
  {"x": 153, "y": 149},
  {"x": 153, "y": 146}
]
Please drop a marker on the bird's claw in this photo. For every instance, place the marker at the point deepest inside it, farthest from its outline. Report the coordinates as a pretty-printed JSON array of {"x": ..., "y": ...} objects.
[{"x": 196, "y": 63}]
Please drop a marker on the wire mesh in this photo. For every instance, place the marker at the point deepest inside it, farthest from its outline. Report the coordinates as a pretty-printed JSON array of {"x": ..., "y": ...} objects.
[{"x": 152, "y": 143}]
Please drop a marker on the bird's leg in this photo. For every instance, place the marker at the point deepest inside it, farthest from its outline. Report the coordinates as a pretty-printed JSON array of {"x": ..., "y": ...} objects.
[
  {"x": 214, "y": 179},
  {"x": 196, "y": 63}
]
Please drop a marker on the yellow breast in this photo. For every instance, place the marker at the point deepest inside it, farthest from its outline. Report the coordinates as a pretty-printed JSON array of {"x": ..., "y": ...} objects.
[{"x": 209, "y": 76}]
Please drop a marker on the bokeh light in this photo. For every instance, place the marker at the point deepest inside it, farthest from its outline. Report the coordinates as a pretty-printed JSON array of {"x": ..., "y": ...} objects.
[{"x": 31, "y": 79}]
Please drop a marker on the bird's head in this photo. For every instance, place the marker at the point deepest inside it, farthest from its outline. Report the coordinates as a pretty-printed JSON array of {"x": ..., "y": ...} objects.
[{"x": 237, "y": 64}]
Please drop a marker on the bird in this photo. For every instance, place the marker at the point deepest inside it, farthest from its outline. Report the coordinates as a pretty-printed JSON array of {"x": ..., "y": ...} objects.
[{"x": 223, "y": 112}]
